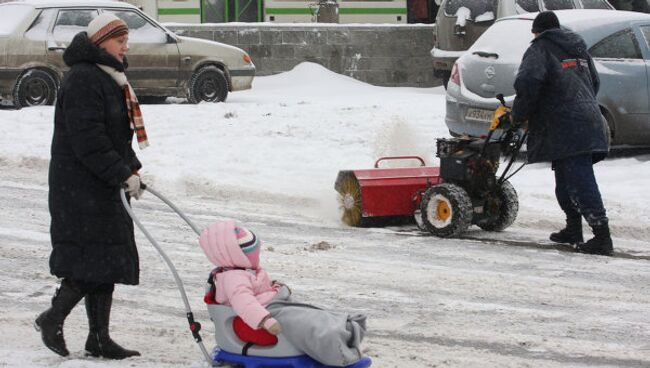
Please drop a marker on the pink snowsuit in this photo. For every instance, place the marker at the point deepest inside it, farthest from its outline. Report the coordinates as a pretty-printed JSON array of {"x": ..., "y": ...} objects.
[{"x": 246, "y": 287}]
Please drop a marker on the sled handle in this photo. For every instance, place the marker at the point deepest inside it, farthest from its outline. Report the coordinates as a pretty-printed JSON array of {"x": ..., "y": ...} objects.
[
  {"x": 399, "y": 158},
  {"x": 195, "y": 327}
]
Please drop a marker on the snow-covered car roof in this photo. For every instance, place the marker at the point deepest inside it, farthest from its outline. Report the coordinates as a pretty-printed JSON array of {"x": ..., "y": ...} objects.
[
  {"x": 39, "y": 4},
  {"x": 592, "y": 24},
  {"x": 578, "y": 16}
]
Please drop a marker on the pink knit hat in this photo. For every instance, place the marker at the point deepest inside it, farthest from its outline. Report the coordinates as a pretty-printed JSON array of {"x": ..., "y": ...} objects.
[{"x": 106, "y": 26}]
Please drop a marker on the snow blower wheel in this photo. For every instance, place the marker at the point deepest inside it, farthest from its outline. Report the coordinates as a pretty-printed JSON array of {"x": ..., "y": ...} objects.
[
  {"x": 446, "y": 210},
  {"x": 349, "y": 200},
  {"x": 501, "y": 209}
]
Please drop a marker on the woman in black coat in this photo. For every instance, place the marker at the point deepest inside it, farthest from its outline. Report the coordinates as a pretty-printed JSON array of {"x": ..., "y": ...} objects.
[{"x": 92, "y": 157}]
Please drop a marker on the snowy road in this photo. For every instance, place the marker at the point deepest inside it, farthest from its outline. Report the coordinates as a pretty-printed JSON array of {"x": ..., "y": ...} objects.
[{"x": 431, "y": 302}]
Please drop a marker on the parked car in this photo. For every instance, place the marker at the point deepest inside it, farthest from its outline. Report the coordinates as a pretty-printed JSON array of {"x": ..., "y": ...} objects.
[
  {"x": 460, "y": 22},
  {"x": 619, "y": 42},
  {"x": 34, "y": 34}
]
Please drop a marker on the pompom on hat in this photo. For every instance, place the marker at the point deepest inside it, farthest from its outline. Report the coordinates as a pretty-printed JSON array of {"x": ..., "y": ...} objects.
[
  {"x": 106, "y": 26},
  {"x": 544, "y": 21}
]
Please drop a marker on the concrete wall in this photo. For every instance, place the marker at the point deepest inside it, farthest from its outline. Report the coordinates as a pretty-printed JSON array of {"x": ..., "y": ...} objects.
[{"x": 383, "y": 55}]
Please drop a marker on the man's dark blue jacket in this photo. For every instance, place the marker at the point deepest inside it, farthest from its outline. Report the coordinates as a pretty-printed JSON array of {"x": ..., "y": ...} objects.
[{"x": 556, "y": 90}]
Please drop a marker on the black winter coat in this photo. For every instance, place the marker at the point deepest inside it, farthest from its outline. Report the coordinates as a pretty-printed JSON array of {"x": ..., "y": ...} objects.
[
  {"x": 556, "y": 90},
  {"x": 91, "y": 232}
]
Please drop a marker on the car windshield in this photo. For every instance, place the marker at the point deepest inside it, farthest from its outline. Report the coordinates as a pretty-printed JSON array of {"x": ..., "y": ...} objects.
[
  {"x": 508, "y": 39},
  {"x": 595, "y": 4},
  {"x": 38, "y": 30},
  {"x": 477, "y": 10},
  {"x": 558, "y": 4},
  {"x": 12, "y": 16},
  {"x": 140, "y": 30},
  {"x": 69, "y": 22},
  {"x": 527, "y": 6}
]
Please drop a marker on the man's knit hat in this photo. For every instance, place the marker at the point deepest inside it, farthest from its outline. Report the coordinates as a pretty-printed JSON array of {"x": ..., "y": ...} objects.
[
  {"x": 249, "y": 245},
  {"x": 106, "y": 26},
  {"x": 544, "y": 21}
]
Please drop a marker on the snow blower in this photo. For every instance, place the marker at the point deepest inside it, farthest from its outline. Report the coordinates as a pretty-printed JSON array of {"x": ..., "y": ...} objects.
[{"x": 443, "y": 200}]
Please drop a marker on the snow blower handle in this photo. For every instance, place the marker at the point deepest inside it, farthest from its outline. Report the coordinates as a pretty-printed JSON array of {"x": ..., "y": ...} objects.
[
  {"x": 399, "y": 158},
  {"x": 501, "y": 99},
  {"x": 501, "y": 117},
  {"x": 500, "y": 120}
]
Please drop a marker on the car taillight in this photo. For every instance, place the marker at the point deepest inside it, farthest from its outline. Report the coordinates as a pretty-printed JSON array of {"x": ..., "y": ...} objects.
[
  {"x": 455, "y": 74},
  {"x": 247, "y": 58}
]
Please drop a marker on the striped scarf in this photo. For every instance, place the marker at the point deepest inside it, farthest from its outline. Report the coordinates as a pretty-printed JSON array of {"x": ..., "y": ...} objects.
[{"x": 133, "y": 107}]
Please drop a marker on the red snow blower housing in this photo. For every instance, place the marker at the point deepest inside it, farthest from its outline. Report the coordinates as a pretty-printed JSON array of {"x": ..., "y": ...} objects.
[{"x": 443, "y": 200}]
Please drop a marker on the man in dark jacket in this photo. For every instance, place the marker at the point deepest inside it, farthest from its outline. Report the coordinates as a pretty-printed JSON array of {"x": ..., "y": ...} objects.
[
  {"x": 556, "y": 90},
  {"x": 93, "y": 245}
]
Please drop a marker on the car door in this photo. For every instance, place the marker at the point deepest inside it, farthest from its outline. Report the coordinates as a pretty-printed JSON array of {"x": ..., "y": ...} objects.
[
  {"x": 67, "y": 23},
  {"x": 624, "y": 85},
  {"x": 153, "y": 57}
]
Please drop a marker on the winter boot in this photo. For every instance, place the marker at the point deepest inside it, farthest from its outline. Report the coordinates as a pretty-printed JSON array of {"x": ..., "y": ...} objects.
[
  {"x": 50, "y": 322},
  {"x": 601, "y": 243},
  {"x": 99, "y": 343},
  {"x": 571, "y": 234}
]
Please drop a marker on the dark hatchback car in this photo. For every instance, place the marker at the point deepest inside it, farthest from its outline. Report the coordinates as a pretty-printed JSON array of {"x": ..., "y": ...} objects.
[{"x": 34, "y": 34}]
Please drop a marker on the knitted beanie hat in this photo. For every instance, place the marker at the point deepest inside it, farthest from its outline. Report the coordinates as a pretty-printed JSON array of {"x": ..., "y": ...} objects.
[
  {"x": 106, "y": 26},
  {"x": 544, "y": 21},
  {"x": 249, "y": 244}
]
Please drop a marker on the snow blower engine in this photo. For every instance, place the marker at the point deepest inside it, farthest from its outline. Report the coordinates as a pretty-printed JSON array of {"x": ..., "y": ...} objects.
[{"x": 443, "y": 200}]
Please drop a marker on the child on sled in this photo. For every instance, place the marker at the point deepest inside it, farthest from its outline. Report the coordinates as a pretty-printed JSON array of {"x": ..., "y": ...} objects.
[{"x": 332, "y": 338}]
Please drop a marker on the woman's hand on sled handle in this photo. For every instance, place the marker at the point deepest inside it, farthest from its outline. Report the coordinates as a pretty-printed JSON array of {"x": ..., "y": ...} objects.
[
  {"x": 133, "y": 186},
  {"x": 271, "y": 325}
]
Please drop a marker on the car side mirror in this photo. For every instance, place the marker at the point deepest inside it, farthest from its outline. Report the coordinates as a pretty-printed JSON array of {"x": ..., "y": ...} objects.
[
  {"x": 55, "y": 46},
  {"x": 170, "y": 39}
]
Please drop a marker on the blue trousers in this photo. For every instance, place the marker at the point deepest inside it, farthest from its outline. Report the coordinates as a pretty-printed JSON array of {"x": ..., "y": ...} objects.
[{"x": 576, "y": 189}]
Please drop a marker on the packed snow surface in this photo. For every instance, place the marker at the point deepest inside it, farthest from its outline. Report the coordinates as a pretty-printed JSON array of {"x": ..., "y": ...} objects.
[{"x": 269, "y": 157}]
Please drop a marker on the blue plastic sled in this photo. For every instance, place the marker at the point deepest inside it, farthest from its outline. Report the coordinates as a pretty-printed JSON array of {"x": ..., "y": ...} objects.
[
  {"x": 302, "y": 361},
  {"x": 281, "y": 355}
]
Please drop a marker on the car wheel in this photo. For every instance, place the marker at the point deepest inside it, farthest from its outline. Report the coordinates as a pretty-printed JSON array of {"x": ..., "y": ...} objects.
[
  {"x": 208, "y": 84},
  {"x": 35, "y": 87}
]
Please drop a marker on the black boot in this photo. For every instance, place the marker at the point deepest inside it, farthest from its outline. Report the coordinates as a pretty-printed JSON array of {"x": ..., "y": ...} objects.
[
  {"x": 50, "y": 322},
  {"x": 99, "y": 343},
  {"x": 601, "y": 243},
  {"x": 571, "y": 234}
]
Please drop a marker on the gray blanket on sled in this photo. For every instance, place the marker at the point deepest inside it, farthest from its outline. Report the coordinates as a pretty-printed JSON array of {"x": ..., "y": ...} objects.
[{"x": 331, "y": 338}]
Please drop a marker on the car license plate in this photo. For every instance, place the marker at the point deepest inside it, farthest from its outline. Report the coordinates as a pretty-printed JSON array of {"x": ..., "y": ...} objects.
[{"x": 479, "y": 114}]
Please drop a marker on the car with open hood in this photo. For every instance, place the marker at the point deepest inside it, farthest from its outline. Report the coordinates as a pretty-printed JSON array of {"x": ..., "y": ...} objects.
[
  {"x": 618, "y": 41},
  {"x": 35, "y": 33}
]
